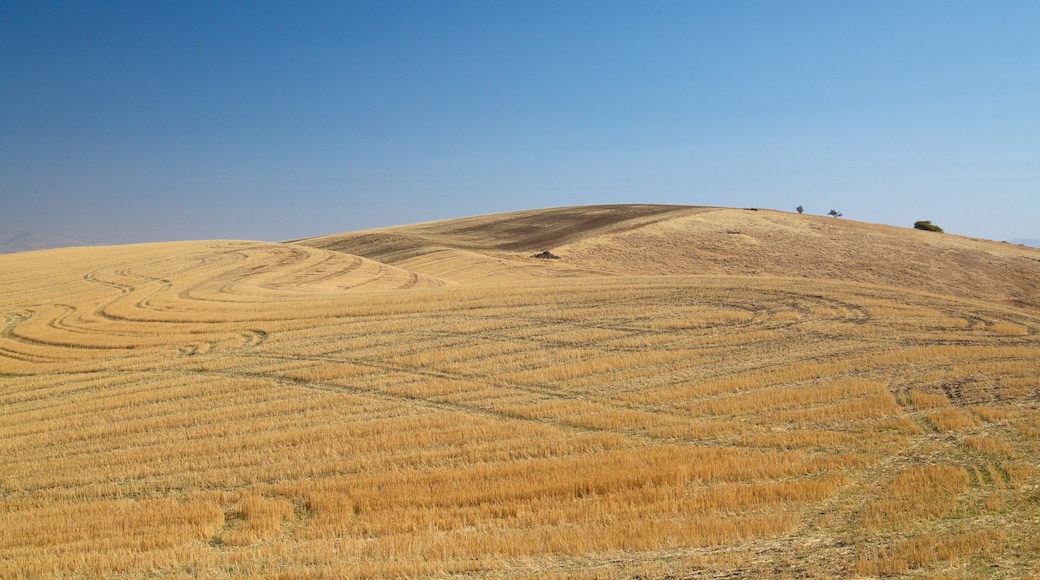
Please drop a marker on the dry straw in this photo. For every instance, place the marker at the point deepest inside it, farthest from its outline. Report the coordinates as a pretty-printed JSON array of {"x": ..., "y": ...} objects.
[{"x": 215, "y": 408}]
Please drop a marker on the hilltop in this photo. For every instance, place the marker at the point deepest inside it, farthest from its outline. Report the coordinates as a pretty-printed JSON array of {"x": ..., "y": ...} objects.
[
  {"x": 683, "y": 240},
  {"x": 685, "y": 392}
]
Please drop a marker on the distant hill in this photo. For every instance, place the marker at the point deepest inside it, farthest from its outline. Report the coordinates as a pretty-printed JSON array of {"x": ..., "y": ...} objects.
[
  {"x": 1025, "y": 242},
  {"x": 11, "y": 242}
]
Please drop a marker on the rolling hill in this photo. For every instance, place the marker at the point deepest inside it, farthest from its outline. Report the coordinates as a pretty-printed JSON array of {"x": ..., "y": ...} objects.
[
  {"x": 681, "y": 240},
  {"x": 685, "y": 392}
]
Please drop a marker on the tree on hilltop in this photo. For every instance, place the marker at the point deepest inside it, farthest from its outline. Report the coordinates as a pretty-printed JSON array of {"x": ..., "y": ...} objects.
[{"x": 927, "y": 225}]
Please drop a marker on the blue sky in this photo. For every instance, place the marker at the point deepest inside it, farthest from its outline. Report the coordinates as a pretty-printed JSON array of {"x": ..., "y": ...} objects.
[{"x": 145, "y": 121}]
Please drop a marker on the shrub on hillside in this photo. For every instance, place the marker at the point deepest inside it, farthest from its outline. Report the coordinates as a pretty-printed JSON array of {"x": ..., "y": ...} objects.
[{"x": 927, "y": 226}]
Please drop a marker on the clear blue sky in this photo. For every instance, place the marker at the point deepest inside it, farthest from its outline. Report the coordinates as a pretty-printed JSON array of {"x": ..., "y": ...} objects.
[{"x": 141, "y": 121}]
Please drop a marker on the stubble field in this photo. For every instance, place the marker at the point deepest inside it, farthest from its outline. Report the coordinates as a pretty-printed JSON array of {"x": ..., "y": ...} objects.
[{"x": 242, "y": 408}]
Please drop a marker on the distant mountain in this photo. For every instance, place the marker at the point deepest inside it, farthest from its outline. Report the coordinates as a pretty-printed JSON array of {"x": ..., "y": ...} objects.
[
  {"x": 11, "y": 242},
  {"x": 1025, "y": 242}
]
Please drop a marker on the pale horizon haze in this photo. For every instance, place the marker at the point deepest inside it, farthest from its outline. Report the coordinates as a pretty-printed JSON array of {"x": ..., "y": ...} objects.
[{"x": 130, "y": 122}]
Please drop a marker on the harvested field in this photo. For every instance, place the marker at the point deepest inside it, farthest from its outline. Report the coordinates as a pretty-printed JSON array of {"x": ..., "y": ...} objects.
[{"x": 448, "y": 404}]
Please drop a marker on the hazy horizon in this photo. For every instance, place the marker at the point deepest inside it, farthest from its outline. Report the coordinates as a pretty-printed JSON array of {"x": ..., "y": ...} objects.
[{"x": 133, "y": 123}]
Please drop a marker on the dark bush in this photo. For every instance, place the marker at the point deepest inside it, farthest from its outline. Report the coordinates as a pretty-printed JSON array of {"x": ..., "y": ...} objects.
[{"x": 927, "y": 226}]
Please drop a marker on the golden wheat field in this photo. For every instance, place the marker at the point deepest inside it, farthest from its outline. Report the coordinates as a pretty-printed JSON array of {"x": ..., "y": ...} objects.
[{"x": 685, "y": 392}]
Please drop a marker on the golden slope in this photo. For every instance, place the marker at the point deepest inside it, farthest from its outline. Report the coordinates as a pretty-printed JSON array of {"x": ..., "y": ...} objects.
[
  {"x": 236, "y": 408},
  {"x": 769, "y": 243},
  {"x": 483, "y": 248},
  {"x": 657, "y": 240},
  {"x": 77, "y": 304}
]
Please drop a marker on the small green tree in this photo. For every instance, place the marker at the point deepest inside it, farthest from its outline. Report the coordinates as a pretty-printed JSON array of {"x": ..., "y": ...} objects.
[
  {"x": 834, "y": 213},
  {"x": 800, "y": 209},
  {"x": 927, "y": 225}
]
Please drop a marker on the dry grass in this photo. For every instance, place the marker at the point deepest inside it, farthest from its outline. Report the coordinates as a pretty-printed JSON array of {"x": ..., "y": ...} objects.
[
  {"x": 928, "y": 550},
  {"x": 950, "y": 420},
  {"x": 239, "y": 408},
  {"x": 991, "y": 414},
  {"x": 916, "y": 494},
  {"x": 928, "y": 400},
  {"x": 990, "y": 446}
]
